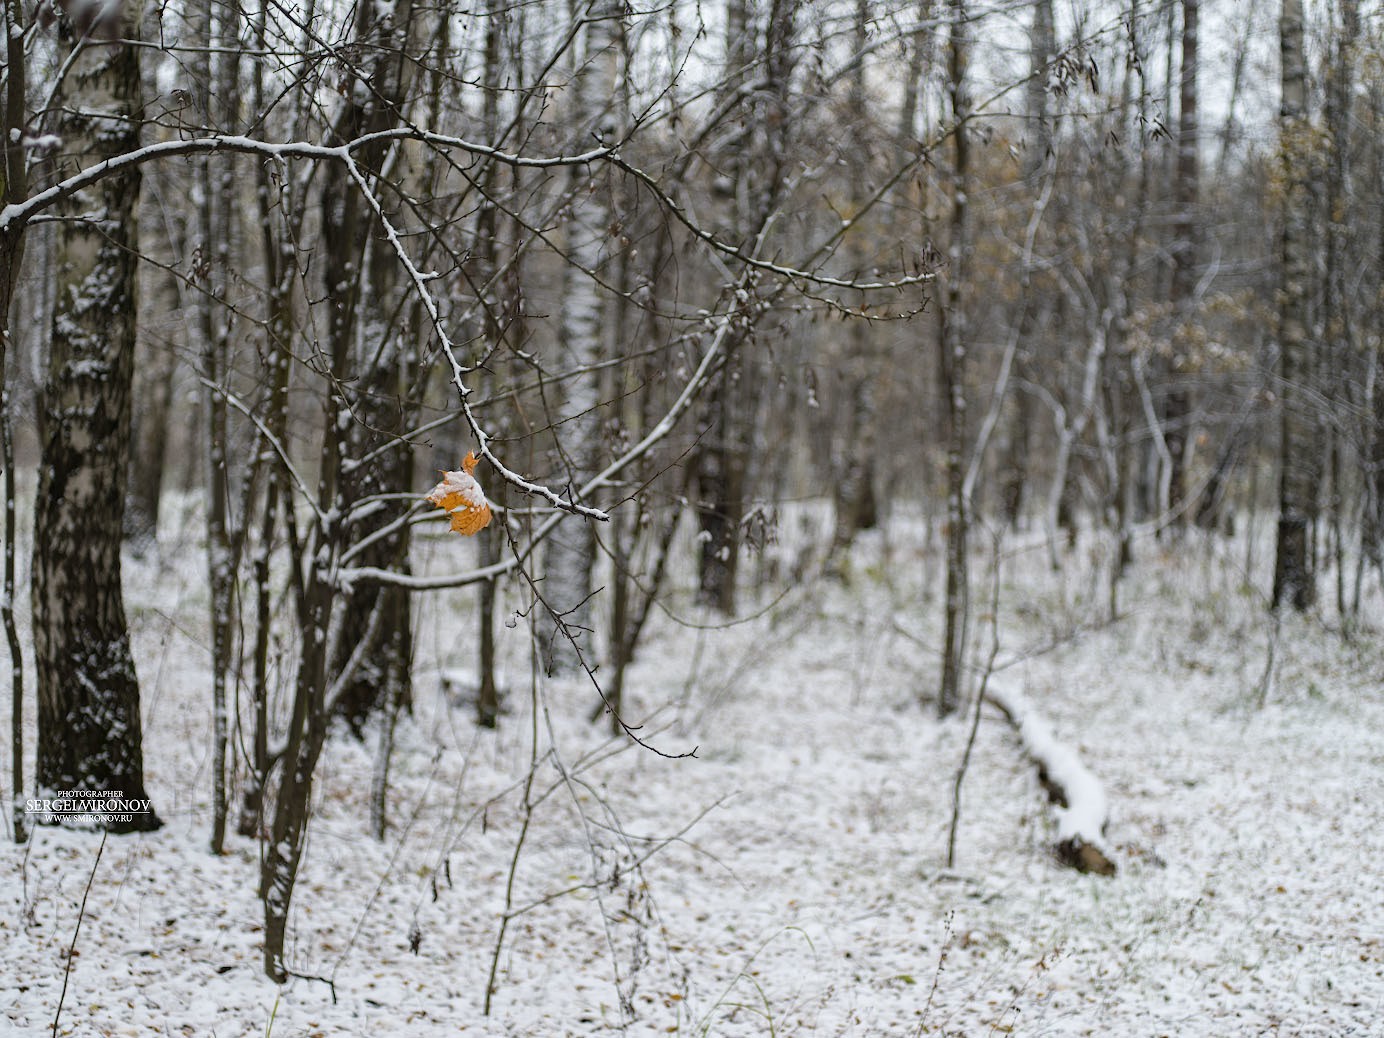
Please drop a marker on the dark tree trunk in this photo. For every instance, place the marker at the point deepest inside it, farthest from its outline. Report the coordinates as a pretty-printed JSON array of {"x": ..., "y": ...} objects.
[
  {"x": 154, "y": 389},
  {"x": 1294, "y": 579},
  {"x": 757, "y": 170},
  {"x": 384, "y": 674},
  {"x": 1014, "y": 466},
  {"x": 281, "y": 219},
  {"x": 370, "y": 354},
  {"x": 489, "y": 692},
  {"x": 307, "y": 732},
  {"x": 953, "y": 373},
  {"x": 89, "y": 733},
  {"x": 486, "y": 259},
  {"x": 853, "y": 488},
  {"x": 720, "y": 500},
  {"x": 1177, "y": 406}
]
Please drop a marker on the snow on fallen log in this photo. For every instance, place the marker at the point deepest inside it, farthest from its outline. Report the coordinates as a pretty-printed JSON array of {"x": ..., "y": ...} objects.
[{"x": 1082, "y": 809}]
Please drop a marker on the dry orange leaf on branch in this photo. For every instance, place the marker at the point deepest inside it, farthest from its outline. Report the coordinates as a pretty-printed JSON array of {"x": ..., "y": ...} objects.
[{"x": 463, "y": 498}]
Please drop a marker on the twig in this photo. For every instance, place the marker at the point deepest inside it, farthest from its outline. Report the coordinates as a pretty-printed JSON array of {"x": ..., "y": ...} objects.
[
  {"x": 312, "y": 976},
  {"x": 1261, "y": 689},
  {"x": 71, "y": 948},
  {"x": 527, "y": 806},
  {"x": 980, "y": 702}
]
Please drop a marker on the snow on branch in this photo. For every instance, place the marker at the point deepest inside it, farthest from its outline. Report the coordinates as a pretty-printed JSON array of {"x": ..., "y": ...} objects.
[
  {"x": 14, "y": 216},
  {"x": 1082, "y": 808},
  {"x": 712, "y": 357}
]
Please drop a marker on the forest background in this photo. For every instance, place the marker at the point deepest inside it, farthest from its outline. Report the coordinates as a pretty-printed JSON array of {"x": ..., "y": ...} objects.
[{"x": 1014, "y": 273}]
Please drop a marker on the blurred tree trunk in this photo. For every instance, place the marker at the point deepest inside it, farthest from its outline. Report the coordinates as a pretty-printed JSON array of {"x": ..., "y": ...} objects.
[
  {"x": 717, "y": 484},
  {"x": 217, "y": 71},
  {"x": 164, "y": 236},
  {"x": 953, "y": 369},
  {"x": 853, "y": 485},
  {"x": 1117, "y": 375},
  {"x": 486, "y": 269},
  {"x": 1373, "y": 536},
  {"x": 1014, "y": 467},
  {"x": 1186, "y": 259},
  {"x": 1294, "y": 579},
  {"x": 89, "y": 730},
  {"x": 755, "y": 163},
  {"x": 1343, "y": 373},
  {"x": 155, "y": 367},
  {"x": 584, "y": 336}
]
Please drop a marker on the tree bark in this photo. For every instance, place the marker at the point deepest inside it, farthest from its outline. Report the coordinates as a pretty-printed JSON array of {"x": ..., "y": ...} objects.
[
  {"x": 756, "y": 166},
  {"x": 13, "y": 188},
  {"x": 89, "y": 733},
  {"x": 853, "y": 488},
  {"x": 1186, "y": 255},
  {"x": 1014, "y": 475},
  {"x": 370, "y": 332},
  {"x": 953, "y": 373},
  {"x": 584, "y": 338},
  {"x": 218, "y": 75},
  {"x": 149, "y": 436},
  {"x": 1294, "y": 580}
]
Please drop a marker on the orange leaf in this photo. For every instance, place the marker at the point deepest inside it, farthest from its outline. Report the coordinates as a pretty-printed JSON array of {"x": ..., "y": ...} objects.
[
  {"x": 470, "y": 520},
  {"x": 462, "y": 496}
]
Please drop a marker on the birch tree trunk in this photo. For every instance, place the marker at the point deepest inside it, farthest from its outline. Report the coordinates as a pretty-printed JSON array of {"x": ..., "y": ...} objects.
[
  {"x": 583, "y": 338},
  {"x": 13, "y": 188},
  {"x": 89, "y": 732},
  {"x": 281, "y": 215},
  {"x": 218, "y": 73}
]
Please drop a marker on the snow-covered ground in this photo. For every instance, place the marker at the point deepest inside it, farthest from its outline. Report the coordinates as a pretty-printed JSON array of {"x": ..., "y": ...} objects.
[{"x": 790, "y": 878}]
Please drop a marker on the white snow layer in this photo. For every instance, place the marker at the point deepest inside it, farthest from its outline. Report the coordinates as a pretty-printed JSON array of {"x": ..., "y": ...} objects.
[
  {"x": 1086, "y": 811},
  {"x": 792, "y": 878}
]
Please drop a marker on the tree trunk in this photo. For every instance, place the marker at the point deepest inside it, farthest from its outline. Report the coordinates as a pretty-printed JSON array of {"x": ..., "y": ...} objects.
[
  {"x": 756, "y": 167},
  {"x": 1294, "y": 581},
  {"x": 155, "y": 367},
  {"x": 953, "y": 374},
  {"x": 13, "y": 188},
  {"x": 720, "y": 496},
  {"x": 584, "y": 339},
  {"x": 218, "y": 75},
  {"x": 371, "y": 329},
  {"x": 853, "y": 487},
  {"x": 488, "y": 690},
  {"x": 1186, "y": 255},
  {"x": 281, "y": 218},
  {"x": 283, "y": 851},
  {"x": 1343, "y": 373},
  {"x": 89, "y": 732}
]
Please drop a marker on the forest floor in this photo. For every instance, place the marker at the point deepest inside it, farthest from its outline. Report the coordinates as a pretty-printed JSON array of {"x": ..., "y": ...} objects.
[{"x": 790, "y": 878}]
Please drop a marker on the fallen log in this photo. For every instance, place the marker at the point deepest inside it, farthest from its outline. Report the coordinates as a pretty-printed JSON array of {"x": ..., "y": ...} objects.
[{"x": 1082, "y": 810}]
